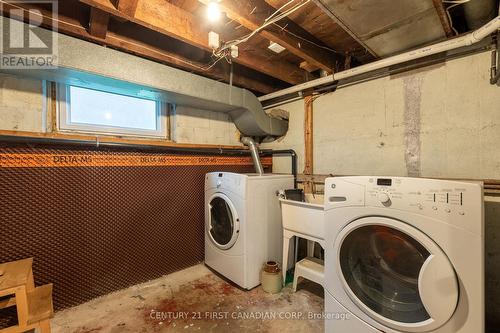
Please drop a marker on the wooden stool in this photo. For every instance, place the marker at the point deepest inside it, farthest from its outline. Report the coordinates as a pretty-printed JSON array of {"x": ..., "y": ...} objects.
[{"x": 34, "y": 304}]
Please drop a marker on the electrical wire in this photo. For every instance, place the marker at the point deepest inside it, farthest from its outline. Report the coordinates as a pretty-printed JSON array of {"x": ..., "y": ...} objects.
[
  {"x": 223, "y": 53},
  {"x": 79, "y": 27},
  {"x": 283, "y": 28},
  {"x": 307, "y": 40},
  {"x": 210, "y": 66},
  {"x": 279, "y": 10},
  {"x": 266, "y": 23},
  {"x": 220, "y": 56}
]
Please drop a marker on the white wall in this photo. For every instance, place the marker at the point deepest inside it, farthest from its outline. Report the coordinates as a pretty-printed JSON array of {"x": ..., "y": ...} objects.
[
  {"x": 440, "y": 121},
  {"x": 203, "y": 127},
  {"x": 22, "y": 109},
  {"x": 21, "y": 104}
]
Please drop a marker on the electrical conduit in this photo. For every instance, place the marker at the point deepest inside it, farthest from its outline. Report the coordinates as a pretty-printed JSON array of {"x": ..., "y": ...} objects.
[{"x": 465, "y": 40}]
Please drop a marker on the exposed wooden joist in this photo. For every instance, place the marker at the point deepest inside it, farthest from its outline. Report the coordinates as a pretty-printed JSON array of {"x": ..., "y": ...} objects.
[
  {"x": 127, "y": 7},
  {"x": 252, "y": 14},
  {"x": 98, "y": 24},
  {"x": 163, "y": 17},
  {"x": 71, "y": 27},
  {"x": 220, "y": 71},
  {"x": 308, "y": 67},
  {"x": 443, "y": 17},
  {"x": 344, "y": 27}
]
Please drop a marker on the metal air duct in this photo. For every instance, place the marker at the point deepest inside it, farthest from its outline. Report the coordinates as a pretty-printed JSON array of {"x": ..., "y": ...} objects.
[{"x": 85, "y": 64}]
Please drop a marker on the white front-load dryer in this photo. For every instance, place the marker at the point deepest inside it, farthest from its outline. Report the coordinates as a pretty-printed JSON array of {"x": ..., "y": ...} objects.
[
  {"x": 403, "y": 255},
  {"x": 224, "y": 216},
  {"x": 243, "y": 224}
]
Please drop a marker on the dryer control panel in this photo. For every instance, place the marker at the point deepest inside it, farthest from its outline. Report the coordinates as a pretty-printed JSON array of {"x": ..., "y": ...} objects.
[
  {"x": 441, "y": 199},
  {"x": 226, "y": 181}
]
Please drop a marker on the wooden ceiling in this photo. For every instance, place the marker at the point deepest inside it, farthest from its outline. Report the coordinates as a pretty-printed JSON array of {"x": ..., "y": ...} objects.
[{"x": 175, "y": 32}]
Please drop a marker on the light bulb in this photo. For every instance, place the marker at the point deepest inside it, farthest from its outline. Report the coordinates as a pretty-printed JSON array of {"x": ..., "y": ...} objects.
[{"x": 213, "y": 11}]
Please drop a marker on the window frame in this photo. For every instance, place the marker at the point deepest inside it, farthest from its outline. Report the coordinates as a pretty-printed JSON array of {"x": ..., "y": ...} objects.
[{"x": 64, "y": 115}]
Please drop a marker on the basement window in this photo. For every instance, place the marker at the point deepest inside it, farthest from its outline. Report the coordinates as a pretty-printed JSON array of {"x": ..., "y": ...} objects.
[{"x": 95, "y": 111}]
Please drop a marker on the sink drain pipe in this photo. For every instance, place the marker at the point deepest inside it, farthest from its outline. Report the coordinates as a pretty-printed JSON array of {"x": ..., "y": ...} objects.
[{"x": 284, "y": 152}]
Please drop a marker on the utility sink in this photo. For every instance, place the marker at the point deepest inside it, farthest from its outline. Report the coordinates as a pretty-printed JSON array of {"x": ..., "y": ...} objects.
[{"x": 305, "y": 218}]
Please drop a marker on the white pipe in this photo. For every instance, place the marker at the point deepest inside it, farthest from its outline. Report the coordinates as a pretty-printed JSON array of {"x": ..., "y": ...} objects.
[{"x": 465, "y": 40}]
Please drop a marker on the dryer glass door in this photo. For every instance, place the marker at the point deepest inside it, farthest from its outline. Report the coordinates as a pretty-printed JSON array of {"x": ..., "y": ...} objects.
[
  {"x": 223, "y": 222},
  {"x": 396, "y": 273}
]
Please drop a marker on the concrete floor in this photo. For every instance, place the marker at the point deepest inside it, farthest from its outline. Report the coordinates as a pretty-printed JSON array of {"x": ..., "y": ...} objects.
[{"x": 196, "y": 300}]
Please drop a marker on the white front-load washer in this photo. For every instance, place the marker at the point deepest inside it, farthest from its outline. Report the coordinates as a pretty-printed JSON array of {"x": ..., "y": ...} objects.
[
  {"x": 243, "y": 224},
  {"x": 403, "y": 255}
]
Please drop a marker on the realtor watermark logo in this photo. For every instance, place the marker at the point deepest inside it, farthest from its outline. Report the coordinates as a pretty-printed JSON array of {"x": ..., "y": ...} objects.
[{"x": 28, "y": 45}]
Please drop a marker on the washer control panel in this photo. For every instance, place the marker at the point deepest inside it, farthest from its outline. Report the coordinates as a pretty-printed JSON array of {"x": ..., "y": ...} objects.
[
  {"x": 389, "y": 192},
  {"x": 443, "y": 199}
]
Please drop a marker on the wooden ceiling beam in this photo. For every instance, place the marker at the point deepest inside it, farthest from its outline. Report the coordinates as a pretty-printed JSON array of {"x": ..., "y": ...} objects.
[
  {"x": 98, "y": 23},
  {"x": 127, "y": 7},
  {"x": 252, "y": 14},
  {"x": 71, "y": 27},
  {"x": 165, "y": 18},
  {"x": 308, "y": 67}
]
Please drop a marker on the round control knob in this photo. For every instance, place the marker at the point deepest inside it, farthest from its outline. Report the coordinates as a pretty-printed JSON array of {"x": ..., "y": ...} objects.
[{"x": 384, "y": 198}]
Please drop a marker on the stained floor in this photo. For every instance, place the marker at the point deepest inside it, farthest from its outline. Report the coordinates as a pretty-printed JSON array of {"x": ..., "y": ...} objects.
[{"x": 196, "y": 300}]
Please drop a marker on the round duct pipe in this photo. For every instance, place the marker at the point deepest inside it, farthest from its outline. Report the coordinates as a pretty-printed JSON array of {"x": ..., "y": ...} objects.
[{"x": 254, "y": 151}]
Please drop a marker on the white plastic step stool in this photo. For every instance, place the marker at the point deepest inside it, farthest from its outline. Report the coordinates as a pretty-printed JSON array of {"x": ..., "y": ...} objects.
[
  {"x": 309, "y": 268},
  {"x": 301, "y": 220}
]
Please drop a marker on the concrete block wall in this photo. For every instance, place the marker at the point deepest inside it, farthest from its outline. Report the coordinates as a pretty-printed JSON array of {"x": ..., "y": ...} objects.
[
  {"x": 203, "y": 127},
  {"x": 21, "y": 104},
  {"x": 22, "y": 109},
  {"x": 439, "y": 121}
]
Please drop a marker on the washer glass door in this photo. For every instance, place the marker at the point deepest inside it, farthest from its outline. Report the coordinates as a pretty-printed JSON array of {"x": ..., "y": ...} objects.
[
  {"x": 396, "y": 273},
  {"x": 223, "y": 226}
]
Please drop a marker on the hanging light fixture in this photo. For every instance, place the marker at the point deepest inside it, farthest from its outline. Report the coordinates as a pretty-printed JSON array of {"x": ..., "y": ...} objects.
[{"x": 213, "y": 11}]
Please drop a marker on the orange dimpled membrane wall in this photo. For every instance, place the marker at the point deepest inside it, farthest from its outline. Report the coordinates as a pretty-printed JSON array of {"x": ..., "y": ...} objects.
[{"x": 101, "y": 220}]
